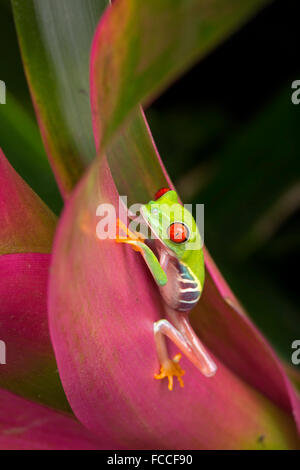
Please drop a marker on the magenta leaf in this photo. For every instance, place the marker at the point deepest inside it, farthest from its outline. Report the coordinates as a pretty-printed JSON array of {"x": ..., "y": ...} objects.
[
  {"x": 26, "y": 234},
  {"x": 103, "y": 300},
  {"x": 29, "y": 426},
  {"x": 102, "y": 306},
  {"x": 223, "y": 325},
  {"x": 30, "y": 368},
  {"x": 130, "y": 153}
]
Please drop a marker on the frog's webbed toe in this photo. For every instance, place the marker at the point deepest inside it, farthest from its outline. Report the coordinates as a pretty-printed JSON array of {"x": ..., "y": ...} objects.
[{"x": 169, "y": 369}]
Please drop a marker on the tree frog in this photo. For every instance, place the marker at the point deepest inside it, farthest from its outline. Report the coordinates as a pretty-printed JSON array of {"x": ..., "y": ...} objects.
[{"x": 175, "y": 259}]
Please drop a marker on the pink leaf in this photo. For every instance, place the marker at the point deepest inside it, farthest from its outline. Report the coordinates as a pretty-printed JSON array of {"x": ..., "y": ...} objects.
[
  {"x": 103, "y": 300},
  {"x": 222, "y": 323},
  {"x": 27, "y": 226},
  {"x": 28, "y": 426},
  {"x": 30, "y": 368},
  {"x": 102, "y": 305}
]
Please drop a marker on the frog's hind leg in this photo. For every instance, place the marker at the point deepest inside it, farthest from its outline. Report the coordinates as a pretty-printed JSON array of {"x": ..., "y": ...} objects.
[
  {"x": 197, "y": 354},
  {"x": 169, "y": 367},
  {"x": 189, "y": 344}
]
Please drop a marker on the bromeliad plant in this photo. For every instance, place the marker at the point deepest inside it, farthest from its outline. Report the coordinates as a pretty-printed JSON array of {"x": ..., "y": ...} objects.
[{"x": 101, "y": 302}]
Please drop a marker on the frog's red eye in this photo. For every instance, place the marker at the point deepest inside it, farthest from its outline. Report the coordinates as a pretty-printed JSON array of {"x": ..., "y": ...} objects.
[
  {"x": 160, "y": 193},
  {"x": 178, "y": 232}
]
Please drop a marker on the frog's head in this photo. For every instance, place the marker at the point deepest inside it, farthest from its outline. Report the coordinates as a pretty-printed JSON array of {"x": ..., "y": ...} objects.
[{"x": 172, "y": 224}]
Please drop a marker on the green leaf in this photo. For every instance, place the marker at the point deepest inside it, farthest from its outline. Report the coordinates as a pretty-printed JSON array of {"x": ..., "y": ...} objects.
[
  {"x": 21, "y": 142},
  {"x": 55, "y": 39},
  {"x": 141, "y": 47},
  {"x": 122, "y": 75},
  {"x": 134, "y": 162},
  {"x": 26, "y": 232},
  {"x": 19, "y": 134},
  {"x": 163, "y": 41}
]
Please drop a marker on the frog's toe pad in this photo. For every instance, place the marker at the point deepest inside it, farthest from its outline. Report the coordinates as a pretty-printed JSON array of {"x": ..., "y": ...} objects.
[{"x": 171, "y": 369}]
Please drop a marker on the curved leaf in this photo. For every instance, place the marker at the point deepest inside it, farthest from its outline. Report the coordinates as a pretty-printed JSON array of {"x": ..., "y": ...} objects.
[
  {"x": 134, "y": 161},
  {"x": 55, "y": 39},
  {"x": 294, "y": 375},
  {"x": 56, "y": 62},
  {"x": 223, "y": 325},
  {"x": 21, "y": 141},
  {"x": 129, "y": 150},
  {"x": 108, "y": 315},
  {"x": 29, "y": 426},
  {"x": 27, "y": 225},
  {"x": 26, "y": 233},
  {"x": 102, "y": 305},
  {"x": 30, "y": 368},
  {"x": 140, "y": 47}
]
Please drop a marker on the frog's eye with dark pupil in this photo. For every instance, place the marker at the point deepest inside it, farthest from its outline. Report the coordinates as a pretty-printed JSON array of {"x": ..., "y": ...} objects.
[{"x": 178, "y": 232}]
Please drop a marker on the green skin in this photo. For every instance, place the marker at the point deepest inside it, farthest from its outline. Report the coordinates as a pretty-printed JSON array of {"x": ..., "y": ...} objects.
[
  {"x": 159, "y": 215},
  {"x": 179, "y": 272}
]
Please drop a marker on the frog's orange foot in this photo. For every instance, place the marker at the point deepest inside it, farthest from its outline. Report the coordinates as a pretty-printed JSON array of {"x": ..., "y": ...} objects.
[
  {"x": 171, "y": 369},
  {"x": 129, "y": 237}
]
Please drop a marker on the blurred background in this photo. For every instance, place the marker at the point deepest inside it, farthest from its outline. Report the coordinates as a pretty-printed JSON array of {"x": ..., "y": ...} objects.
[{"x": 229, "y": 136}]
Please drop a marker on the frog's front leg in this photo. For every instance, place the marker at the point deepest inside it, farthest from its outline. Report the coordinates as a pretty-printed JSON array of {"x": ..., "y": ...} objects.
[{"x": 139, "y": 245}]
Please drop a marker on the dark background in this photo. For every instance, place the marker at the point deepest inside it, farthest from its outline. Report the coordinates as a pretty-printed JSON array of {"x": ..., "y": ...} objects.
[{"x": 230, "y": 138}]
